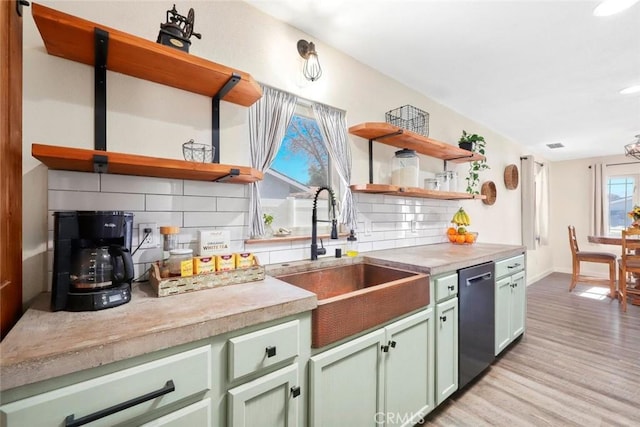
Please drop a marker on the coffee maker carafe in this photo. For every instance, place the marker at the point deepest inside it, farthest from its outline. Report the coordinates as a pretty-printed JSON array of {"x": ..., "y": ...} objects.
[{"x": 92, "y": 268}]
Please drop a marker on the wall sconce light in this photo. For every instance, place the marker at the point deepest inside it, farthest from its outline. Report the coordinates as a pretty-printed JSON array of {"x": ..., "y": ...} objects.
[{"x": 311, "y": 70}]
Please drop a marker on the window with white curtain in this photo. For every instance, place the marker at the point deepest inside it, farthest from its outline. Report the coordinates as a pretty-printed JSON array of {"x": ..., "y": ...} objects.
[
  {"x": 623, "y": 192},
  {"x": 301, "y": 166}
]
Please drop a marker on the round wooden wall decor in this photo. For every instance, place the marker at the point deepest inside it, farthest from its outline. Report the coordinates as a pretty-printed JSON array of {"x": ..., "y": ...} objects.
[
  {"x": 488, "y": 189},
  {"x": 511, "y": 177}
]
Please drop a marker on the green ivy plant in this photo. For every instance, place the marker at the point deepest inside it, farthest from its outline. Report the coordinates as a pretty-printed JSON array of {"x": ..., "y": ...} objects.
[
  {"x": 477, "y": 146},
  {"x": 267, "y": 218}
]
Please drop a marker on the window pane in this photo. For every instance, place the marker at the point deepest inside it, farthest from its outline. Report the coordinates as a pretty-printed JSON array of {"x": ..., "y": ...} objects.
[
  {"x": 300, "y": 167},
  {"x": 621, "y": 191}
]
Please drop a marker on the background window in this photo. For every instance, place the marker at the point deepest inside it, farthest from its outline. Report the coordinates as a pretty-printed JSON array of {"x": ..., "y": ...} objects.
[
  {"x": 301, "y": 166},
  {"x": 623, "y": 193}
]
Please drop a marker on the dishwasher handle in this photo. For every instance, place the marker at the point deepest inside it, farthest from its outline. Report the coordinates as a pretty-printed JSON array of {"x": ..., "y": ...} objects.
[{"x": 479, "y": 278}]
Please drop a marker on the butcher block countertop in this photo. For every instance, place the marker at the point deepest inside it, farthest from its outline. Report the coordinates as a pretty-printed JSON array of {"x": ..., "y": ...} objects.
[{"x": 45, "y": 344}]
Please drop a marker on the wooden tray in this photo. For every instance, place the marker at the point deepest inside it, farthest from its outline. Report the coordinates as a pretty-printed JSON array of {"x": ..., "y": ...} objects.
[{"x": 181, "y": 285}]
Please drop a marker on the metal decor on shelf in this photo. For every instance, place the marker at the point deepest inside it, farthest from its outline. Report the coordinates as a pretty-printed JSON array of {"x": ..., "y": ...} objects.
[{"x": 410, "y": 118}]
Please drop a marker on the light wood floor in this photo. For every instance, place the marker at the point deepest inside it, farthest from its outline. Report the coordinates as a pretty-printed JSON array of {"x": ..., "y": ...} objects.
[{"x": 577, "y": 365}]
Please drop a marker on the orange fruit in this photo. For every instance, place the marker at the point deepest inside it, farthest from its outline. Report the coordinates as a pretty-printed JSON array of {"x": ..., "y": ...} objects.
[
  {"x": 452, "y": 238},
  {"x": 451, "y": 231},
  {"x": 470, "y": 238},
  {"x": 460, "y": 238}
]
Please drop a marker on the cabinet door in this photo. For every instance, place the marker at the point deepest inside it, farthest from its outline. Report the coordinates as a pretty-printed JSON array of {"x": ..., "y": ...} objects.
[
  {"x": 503, "y": 315},
  {"x": 446, "y": 349},
  {"x": 197, "y": 414},
  {"x": 409, "y": 368},
  {"x": 346, "y": 383},
  {"x": 271, "y": 400},
  {"x": 518, "y": 305}
]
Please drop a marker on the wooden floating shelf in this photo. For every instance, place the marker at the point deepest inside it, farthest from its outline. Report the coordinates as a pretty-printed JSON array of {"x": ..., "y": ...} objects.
[
  {"x": 72, "y": 38},
  {"x": 412, "y": 192},
  {"x": 82, "y": 160},
  {"x": 388, "y": 134}
]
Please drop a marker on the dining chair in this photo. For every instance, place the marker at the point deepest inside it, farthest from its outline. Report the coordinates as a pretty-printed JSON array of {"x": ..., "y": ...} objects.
[
  {"x": 579, "y": 257},
  {"x": 629, "y": 263}
]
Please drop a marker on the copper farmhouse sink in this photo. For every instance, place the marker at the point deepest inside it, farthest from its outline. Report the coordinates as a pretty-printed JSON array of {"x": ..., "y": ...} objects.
[{"x": 353, "y": 298}]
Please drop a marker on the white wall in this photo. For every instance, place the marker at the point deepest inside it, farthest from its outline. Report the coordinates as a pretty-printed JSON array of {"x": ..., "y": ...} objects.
[
  {"x": 146, "y": 118},
  {"x": 570, "y": 193}
]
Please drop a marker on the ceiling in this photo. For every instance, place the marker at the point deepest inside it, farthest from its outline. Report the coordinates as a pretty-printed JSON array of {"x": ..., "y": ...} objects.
[{"x": 538, "y": 72}]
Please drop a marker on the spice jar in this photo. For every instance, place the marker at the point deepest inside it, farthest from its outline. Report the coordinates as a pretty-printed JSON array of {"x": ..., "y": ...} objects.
[
  {"x": 405, "y": 168},
  {"x": 181, "y": 262}
]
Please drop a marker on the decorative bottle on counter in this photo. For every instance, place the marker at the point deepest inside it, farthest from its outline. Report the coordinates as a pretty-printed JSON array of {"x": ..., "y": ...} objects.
[
  {"x": 352, "y": 244},
  {"x": 405, "y": 168}
]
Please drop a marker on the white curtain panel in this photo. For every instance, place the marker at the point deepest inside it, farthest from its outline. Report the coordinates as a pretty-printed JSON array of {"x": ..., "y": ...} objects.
[
  {"x": 269, "y": 118},
  {"x": 535, "y": 203},
  {"x": 333, "y": 128},
  {"x": 598, "y": 201}
]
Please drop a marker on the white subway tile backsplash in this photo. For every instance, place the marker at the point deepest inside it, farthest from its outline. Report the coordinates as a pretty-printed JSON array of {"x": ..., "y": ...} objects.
[
  {"x": 111, "y": 183},
  {"x": 90, "y": 201},
  {"x": 194, "y": 205},
  {"x": 214, "y": 189},
  {"x": 73, "y": 181},
  {"x": 164, "y": 203},
  {"x": 213, "y": 219},
  {"x": 201, "y": 204}
]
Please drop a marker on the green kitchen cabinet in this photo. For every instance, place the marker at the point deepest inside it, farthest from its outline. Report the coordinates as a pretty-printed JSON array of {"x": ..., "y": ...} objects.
[
  {"x": 162, "y": 389},
  {"x": 271, "y": 400},
  {"x": 510, "y": 301},
  {"x": 385, "y": 377},
  {"x": 446, "y": 331}
]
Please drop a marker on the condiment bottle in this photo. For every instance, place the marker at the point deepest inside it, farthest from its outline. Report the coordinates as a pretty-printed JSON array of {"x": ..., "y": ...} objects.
[{"x": 352, "y": 244}]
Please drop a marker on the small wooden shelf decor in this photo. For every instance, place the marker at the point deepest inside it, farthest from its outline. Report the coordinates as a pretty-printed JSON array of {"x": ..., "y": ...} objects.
[
  {"x": 389, "y": 134},
  {"x": 180, "y": 285},
  {"x": 83, "y": 160},
  {"x": 72, "y": 38},
  {"x": 412, "y": 192}
]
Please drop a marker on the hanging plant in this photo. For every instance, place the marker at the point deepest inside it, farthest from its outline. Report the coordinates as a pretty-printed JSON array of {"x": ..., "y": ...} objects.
[{"x": 476, "y": 144}]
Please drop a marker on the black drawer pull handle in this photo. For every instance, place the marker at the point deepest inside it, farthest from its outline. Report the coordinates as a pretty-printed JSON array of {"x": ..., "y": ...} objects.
[
  {"x": 451, "y": 287},
  {"x": 517, "y": 264},
  {"x": 69, "y": 421},
  {"x": 392, "y": 344},
  {"x": 384, "y": 348},
  {"x": 295, "y": 391},
  {"x": 443, "y": 318},
  {"x": 271, "y": 351}
]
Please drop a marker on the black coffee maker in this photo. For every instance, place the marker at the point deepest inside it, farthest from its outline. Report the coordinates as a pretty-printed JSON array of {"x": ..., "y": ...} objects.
[{"x": 92, "y": 264}]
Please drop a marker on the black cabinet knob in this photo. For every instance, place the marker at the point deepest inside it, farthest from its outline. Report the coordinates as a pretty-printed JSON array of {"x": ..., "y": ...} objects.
[
  {"x": 295, "y": 391},
  {"x": 271, "y": 351},
  {"x": 443, "y": 318},
  {"x": 392, "y": 344},
  {"x": 385, "y": 348},
  {"x": 451, "y": 287}
]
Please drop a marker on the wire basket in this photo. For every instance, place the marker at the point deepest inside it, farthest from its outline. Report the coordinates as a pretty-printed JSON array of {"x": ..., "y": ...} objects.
[
  {"x": 195, "y": 152},
  {"x": 410, "y": 118}
]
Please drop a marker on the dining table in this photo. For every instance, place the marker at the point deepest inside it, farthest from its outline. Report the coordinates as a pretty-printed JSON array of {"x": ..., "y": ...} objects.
[{"x": 615, "y": 240}]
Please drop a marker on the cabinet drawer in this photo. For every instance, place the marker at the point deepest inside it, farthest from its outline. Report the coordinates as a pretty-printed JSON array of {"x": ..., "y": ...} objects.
[
  {"x": 189, "y": 373},
  {"x": 509, "y": 266},
  {"x": 261, "y": 349},
  {"x": 446, "y": 286}
]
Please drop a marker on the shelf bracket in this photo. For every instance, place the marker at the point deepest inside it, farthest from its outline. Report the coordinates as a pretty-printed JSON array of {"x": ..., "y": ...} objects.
[
  {"x": 232, "y": 174},
  {"x": 101, "y": 42},
  {"x": 100, "y": 163},
  {"x": 398, "y": 132},
  {"x": 215, "y": 114}
]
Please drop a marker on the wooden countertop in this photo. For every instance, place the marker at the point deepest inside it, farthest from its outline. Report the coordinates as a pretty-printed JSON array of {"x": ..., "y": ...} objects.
[{"x": 44, "y": 344}]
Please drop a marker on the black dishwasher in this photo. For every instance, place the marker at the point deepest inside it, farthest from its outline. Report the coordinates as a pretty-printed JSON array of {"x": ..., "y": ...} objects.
[{"x": 476, "y": 325}]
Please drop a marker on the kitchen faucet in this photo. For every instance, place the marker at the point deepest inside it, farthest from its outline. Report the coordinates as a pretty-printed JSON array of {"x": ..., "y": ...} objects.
[{"x": 315, "y": 251}]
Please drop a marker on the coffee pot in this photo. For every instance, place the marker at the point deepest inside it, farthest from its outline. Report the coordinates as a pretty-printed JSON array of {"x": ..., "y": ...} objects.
[{"x": 101, "y": 267}]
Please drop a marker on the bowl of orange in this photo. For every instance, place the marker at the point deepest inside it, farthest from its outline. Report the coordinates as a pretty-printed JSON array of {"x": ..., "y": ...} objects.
[{"x": 461, "y": 238}]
